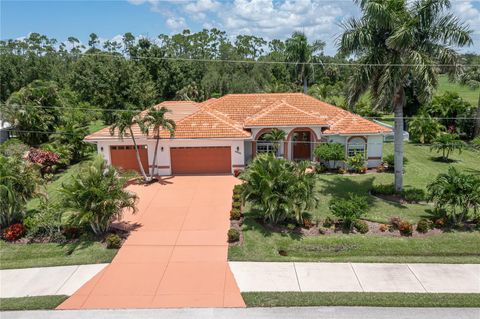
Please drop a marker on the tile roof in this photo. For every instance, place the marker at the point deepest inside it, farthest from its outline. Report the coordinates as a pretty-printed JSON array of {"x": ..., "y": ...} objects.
[{"x": 231, "y": 115}]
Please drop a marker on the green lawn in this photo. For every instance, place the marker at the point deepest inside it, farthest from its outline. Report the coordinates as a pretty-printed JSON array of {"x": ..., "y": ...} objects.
[
  {"x": 465, "y": 92},
  {"x": 373, "y": 299},
  {"x": 454, "y": 247},
  {"x": 51, "y": 254},
  {"x": 31, "y": 303}
]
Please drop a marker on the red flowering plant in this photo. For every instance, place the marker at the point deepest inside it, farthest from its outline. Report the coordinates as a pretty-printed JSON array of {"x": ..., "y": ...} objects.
[
  {"x": 13, "y": 232},
  {"x": 45, "y": 159}
]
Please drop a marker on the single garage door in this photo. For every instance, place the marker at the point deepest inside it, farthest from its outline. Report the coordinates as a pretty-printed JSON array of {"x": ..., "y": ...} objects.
[
  {"x": 201, "y": 160},
  {"x": 124, "y": 157}
]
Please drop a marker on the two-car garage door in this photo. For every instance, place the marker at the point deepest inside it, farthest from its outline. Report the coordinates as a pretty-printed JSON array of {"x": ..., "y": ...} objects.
[{"x": 201, "y": 160}]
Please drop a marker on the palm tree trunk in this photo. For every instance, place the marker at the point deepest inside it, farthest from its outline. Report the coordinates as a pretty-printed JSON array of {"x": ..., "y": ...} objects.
[
  {"x": 137, "y": 153},
  {"x": 154, "y": 165},
  {"x": 477, "y": 121},
  {"x": 398, "y": 139},
  {"x": 305, "y": 85}
]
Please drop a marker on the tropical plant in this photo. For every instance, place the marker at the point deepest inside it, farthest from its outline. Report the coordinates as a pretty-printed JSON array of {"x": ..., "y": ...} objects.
[
  {"x": 330, "y": 152},
  {"x": 279, "y": 189},
  {"x": 275, "y": 136},
  {"x": 299, "y": 51},
  {"x": 46, "y": 220},
  {"x": 424, "y": 129},
  {"x": 156, "y": 121},
  {"x": 455, "y": 193},
  {"x": 447, "y": 143},
  {"x": 356, "y": 162},
  {"x": 122, "y": 126},
  {"x": 18, "y": 183},
  {"x": 397, "y": 44},
  {"x": 96, "y": 196},
  {"x": 349, "y": 209},
  {"x": 46, "y": 160}
]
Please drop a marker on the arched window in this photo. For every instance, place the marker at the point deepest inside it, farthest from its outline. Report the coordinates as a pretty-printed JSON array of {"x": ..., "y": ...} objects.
[
  {"x": 356, "y": 145},
  {"x": 264, "y": 146}
]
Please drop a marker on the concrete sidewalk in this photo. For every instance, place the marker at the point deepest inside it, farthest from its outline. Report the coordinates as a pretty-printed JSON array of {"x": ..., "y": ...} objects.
[
  {"x": 361, "y": 277},
  {"x": 64, "y": 280},
  {"x": 254, "y": 313}
]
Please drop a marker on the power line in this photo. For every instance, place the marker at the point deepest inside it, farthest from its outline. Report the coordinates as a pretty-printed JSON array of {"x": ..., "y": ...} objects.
[
  {"x": 203, "y": 60},
  {"x": 286, "y": 116}
]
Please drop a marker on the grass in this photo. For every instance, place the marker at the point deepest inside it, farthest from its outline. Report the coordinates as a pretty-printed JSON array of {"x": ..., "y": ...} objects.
[
  {"x": 52, "y": 254},
  {"x": 465, "y": 92},
  {"x": 453, "y": 247},
  {"x": 31, "y": 303},
  {"x": 304, "y": 299}
]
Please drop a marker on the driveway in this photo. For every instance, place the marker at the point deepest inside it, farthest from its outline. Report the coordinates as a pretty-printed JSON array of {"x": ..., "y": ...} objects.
[{"x": 177, "y": 254}]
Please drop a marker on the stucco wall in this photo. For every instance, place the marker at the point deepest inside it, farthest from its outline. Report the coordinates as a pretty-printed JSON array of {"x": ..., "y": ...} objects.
[{"x": 163, "y": 157}]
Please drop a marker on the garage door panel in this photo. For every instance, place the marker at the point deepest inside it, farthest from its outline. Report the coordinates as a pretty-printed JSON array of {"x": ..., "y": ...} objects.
[
  {"x": 201, "y": 160},
  {"x": 124, "y": 157}
]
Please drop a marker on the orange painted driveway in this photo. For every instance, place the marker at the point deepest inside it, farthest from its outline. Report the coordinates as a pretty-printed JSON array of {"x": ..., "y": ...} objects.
[{"x": 176, "y": 256}]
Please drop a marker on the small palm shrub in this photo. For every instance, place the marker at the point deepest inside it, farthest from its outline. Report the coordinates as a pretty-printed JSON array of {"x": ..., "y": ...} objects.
[
  {"x": 113, "y": 241},
  {"x": 357, "y": 163},
  {"x": 413, "y": 195},
  {"x": 405, "y": 228},
  {"x": 389, "y": 162},
  {"x": 46, "y": 220},
  {"x": 279, "y": 189},
  {"x": 361, "y": 226},
  {"x": 330, "y": 152},
  {"x": 96, "y": 196},
  {"x": 423, "y": 226},
  {"x": 237, "y": 205},
  {"x": 383, "y": 189},
  {"x": 456, "y": 195},
  {"x": 395, "y": 222},
  {"x": 447, "y": 143},
  {"x": 233, "y": 235},
  {"x": 476, "y": 142},
  {"x": 349, "y": 209},
  {"x": 424, "y": 129},
  {"x": 328, "y": 222}
]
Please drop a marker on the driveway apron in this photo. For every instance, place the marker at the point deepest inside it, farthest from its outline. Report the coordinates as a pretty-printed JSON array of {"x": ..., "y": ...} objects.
[{"x": 176, "y": 254}]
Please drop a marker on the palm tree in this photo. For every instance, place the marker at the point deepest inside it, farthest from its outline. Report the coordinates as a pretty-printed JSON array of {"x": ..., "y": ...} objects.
[
  {"x": 447, "y": 143},
  {"x": 123, "y": 122},
  {"x": 275, "y": 136},
  {"x": 299, "y": 51},
  {"x": 398, "y": 43},
  {"x": 96, "y": 195},
  {"x": 155, "y": 120}
]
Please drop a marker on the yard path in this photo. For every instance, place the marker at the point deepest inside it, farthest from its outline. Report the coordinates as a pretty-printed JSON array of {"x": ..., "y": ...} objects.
[
  {"x": 359, "y": 277},
  {"x": 176, "y": 255}
]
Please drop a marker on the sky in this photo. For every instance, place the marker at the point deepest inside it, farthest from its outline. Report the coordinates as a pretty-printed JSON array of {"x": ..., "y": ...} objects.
[{"x": 271, "y": 19}]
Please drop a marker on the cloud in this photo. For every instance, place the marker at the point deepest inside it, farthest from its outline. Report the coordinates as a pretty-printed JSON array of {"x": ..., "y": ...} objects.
[{"x": 176, "y": 24}]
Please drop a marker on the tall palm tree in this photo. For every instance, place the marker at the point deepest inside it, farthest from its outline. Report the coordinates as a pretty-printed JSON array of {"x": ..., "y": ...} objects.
[
  {"x": 398, "y": 43},
  {"x": 156, "y": 121},
  {"x": 299, "y": 51},
  {"x": 275, "y": 136},
  {"x": 123, "y": 122}
]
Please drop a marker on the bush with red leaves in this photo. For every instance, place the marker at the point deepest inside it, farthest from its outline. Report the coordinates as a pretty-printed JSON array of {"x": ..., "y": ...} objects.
[
  {"x": 13, "y": 232},
  {"x": 45, "y": 159}
]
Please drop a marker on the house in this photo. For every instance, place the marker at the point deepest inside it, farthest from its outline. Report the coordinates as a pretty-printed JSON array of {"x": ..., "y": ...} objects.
[{"x": 221, "y": 135}]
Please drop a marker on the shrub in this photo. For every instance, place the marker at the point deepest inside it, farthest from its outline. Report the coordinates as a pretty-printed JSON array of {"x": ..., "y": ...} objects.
[
  {"x": 235, "y": 214},
  {"x": 236, "y": 197},
  {"x": 476, "y": 142},
  {"x": 237, "y": 172},
  {"x": 413, "y": 195},
  {"x": 328, "y": 222},
  {"x": 320, "y": 168},
  {"x": 330, "y": 152},
  {"x": 237, "y": 189},
  {"x": 14, "y": 148},
  {"x": 440, "y": 223},
  {"x": 341, "y": 170},
  {"x": 395, "y": 221},
  {"x": 383, "y": 227},
  {"x": 13, "y": 232},
  {"x": 291, "y": 226},
  {"x": 424, "y": 129},
  {"x": 383, "y": 189},
  {"x": 233, "y": 235},
  {"x": 63, "y": 151},
  {"x": 308, "y": 223},
  {"x": 447, "y": 143},
  {"x": 237, "y": 204},
  {"x": 356, "y": 162},
  {"x": 361, "y": 226},
  {"x": 423, "y": 225},
  {"x": 44, "y": 221},
  {"x": 349, "y": 209},
  {"x": 405, "y": 228},
  {"x": 113, "y": 241},
  {"x": 44, "y": 159},
  {"x": 96, "y": 196},
  {"x": 389, "y": 162}
]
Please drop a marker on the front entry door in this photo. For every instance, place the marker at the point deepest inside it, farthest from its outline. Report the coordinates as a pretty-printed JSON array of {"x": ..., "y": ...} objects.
[{"x": 301, "y": 146}]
